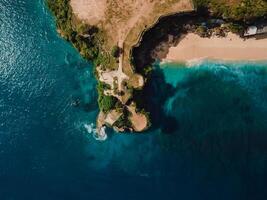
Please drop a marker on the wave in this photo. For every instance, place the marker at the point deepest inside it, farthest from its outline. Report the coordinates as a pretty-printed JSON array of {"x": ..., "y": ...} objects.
[
  {"x": 196, "y": 62},
  {"x": 99, "y": 135}
]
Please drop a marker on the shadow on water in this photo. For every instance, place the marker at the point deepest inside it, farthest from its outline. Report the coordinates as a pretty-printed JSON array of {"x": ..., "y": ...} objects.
[
  {"x": 221, "y": 124},
  {"x": 153, "y": 97},
  {"x": 157, "y": 91},
  {"x": 214, "y": 129}
]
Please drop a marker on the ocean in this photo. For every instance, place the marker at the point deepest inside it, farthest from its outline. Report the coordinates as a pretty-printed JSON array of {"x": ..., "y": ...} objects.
[{"x": 208, "y": 140}]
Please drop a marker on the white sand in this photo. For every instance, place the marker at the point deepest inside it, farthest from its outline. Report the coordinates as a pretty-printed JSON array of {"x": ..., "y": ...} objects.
[{"x": 228, "y": 48}]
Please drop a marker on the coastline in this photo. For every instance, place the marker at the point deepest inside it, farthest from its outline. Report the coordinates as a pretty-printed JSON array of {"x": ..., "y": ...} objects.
[
  {"x": 193, "y": 48},
  {"x": 201, "y": 61},
  {"x": 94, "y": 38},
  {"x": 123, "y": 61}
]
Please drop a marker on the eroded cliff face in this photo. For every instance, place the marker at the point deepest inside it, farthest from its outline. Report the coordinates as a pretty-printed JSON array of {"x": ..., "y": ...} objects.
[{"x": 122, "y": 23}]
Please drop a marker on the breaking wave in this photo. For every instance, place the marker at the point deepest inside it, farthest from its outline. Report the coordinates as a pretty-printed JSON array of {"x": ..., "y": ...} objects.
[{"x": 99, "y": 135}]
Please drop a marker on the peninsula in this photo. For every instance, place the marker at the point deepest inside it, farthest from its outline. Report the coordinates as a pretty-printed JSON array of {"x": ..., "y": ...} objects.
[{"x": 113, "y": 35}]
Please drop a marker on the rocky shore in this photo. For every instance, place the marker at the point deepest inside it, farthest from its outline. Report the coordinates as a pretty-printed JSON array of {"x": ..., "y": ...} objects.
[{"x": 106, "y": 35}]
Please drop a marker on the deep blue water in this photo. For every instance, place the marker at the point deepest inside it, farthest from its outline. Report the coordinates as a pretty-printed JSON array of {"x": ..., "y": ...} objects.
[{"x": 209, "y": 139}]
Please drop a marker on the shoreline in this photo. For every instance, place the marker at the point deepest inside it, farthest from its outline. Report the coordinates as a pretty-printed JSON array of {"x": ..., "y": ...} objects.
[
  {"x": 200, "y": 61},
  {"x": 122, "y": 62},
  {"x": 232, "y": 48}
]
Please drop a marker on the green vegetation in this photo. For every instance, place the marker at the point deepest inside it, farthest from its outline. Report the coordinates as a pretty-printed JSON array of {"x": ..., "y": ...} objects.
[
  {"x": 123, "y": 121},
  {"x": 235, "y": 9},
  {"x": 102, "y": 60},
  {"x": 106, "y": 103},
  {"x": 119, "y": 106},
  {"x": 103, "y": 86},
  {"x": 63, "y": 14},
  {"x": 235, "y": 28},
  {"x": 147, "y": 70},
  {"x": 202, "y": 31},
  {"x": 86, "y": 39},
  {"x": 115, "y": 52}
]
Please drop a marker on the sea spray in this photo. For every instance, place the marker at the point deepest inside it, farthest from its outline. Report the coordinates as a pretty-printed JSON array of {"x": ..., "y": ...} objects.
[{"x": 99, "y": 135}]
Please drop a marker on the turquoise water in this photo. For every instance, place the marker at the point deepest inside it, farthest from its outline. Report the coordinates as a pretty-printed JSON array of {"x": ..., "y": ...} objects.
[{"x": 208, "y": 140}]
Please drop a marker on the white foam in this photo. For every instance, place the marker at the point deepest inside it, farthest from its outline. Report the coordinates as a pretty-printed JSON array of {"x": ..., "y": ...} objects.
[
  {"x": 99, "y": 135},
  {"x": 166, "y": 61},
  {"x": 195, "y": 62},
  {"x": 89, "y": 127}
]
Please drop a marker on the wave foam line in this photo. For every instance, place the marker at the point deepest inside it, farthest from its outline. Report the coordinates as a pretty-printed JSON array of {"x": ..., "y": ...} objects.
[{"x": 99, "y": 135}]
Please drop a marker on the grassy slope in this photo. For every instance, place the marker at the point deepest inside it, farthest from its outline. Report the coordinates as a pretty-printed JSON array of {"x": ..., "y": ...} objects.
[{"x": 235, "y": 9}]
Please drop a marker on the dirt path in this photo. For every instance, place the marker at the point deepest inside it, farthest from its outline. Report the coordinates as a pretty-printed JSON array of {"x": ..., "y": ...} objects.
[{"x": 121, "y": 75}]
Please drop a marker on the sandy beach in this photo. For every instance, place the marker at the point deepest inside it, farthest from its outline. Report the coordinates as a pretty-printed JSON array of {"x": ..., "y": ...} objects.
[{"x": 230, "y": 48}]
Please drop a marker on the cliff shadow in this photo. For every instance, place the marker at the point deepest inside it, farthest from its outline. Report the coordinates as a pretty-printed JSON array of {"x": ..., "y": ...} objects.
[
  {"x": 152, "y": 99},
  {"x": 157, "y": 40}
]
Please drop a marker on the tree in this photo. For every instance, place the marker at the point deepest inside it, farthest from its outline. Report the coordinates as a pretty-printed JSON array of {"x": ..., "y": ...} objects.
[
  {"x": 106, "y": 103},
  {"x": 115, "y": 52}
]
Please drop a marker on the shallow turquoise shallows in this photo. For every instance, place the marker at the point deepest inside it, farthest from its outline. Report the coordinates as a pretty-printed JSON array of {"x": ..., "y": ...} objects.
[{"x": 208, "y": 140}]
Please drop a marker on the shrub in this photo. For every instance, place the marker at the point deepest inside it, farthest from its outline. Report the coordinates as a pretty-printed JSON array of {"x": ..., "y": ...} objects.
[
  {"x": 115, "y": 52},
  {"x": 87, "y": 46},
  {"x": 244, "y": 10},
  {"x": 201, "y": 31},
  {"x": 63, "y": 14},
  {"x": 123, "y": 121},
  {"x": 102, "y": 86},
  {"x": 106, "y": 103},
  {"x": 147, "y": 70},
  {"x": 235, "y": 28}
]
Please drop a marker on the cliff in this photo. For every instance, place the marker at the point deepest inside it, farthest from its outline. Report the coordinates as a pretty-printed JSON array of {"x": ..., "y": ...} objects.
[
  {"x": 105, "y": 31},
  {"x": 109, "y": 33}
]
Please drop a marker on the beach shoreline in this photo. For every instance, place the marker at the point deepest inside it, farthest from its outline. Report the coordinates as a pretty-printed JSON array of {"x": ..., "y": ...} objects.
[
  {"x": 193, "y": 48},
  {"x": 199, "y": 61}
]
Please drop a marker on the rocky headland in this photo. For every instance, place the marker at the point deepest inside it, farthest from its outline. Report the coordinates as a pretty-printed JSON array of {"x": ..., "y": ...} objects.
[{"x": 124, "y": 38}]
